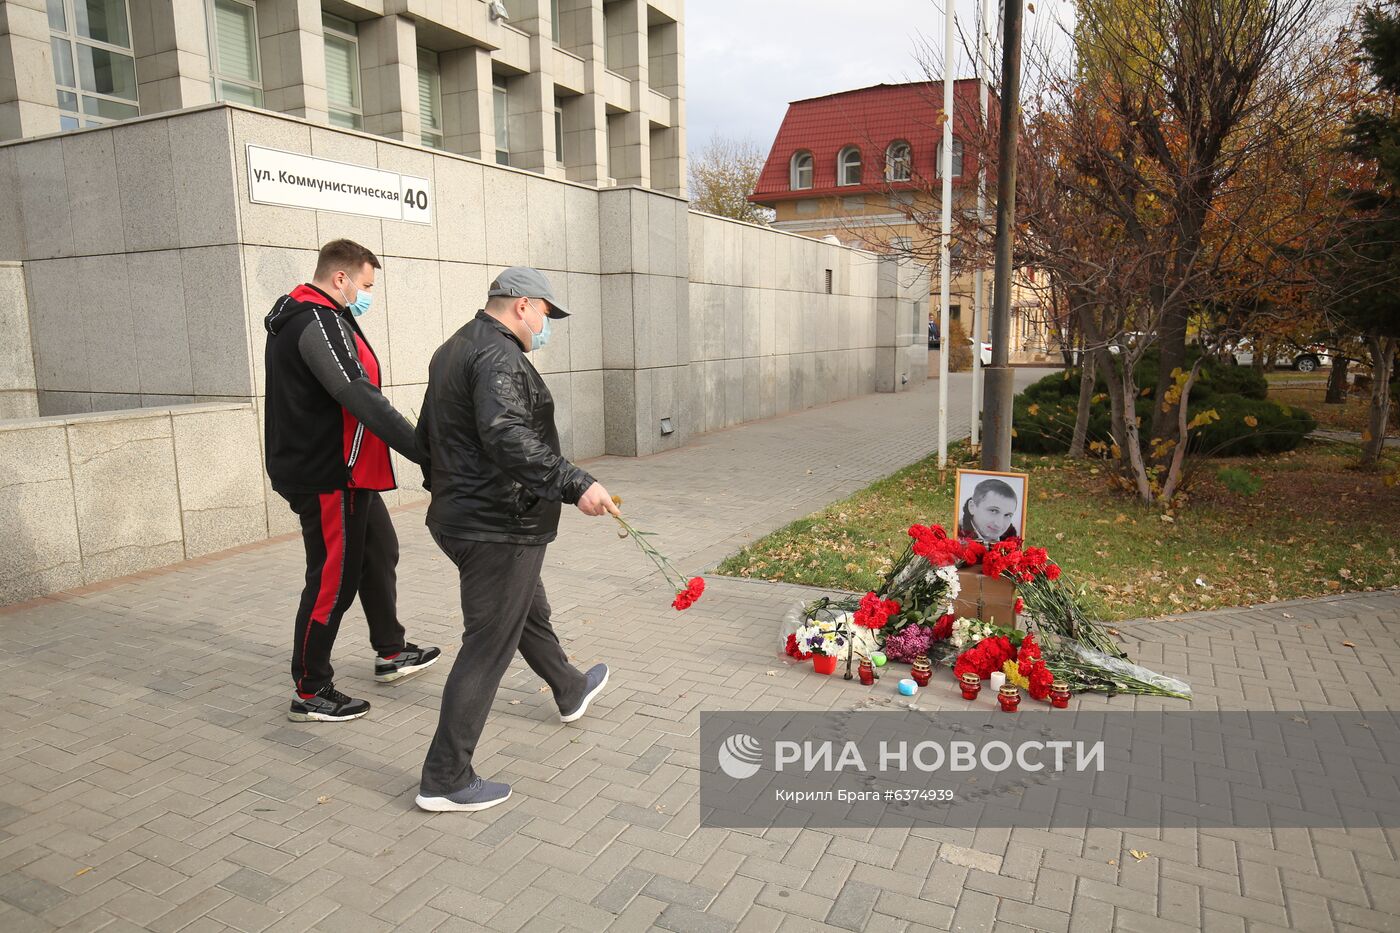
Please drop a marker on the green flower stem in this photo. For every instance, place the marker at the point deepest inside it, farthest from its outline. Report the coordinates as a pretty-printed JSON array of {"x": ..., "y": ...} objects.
[{"x": 668, "y": 570}]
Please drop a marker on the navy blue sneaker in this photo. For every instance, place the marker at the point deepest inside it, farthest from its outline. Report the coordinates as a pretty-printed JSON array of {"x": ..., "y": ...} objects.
[
  {"x": 480, "y": 794},
  {"x": 594, "y": 681},
  {"x": 408, "y": 661}
]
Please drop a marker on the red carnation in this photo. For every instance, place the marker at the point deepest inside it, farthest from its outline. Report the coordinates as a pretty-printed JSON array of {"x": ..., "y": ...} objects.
[
  {"x": 973, "y": 552},
  {"x": 683, "y": 600},
  {"x": 1052, "y": 571},
  {"x": 1020, "y": 605},
  {"x": 943, "y": 627},
  {"x": 695, "y": 587},
  {"x": 1040, "y": 680},
  {"x": 793, "y": 650}
]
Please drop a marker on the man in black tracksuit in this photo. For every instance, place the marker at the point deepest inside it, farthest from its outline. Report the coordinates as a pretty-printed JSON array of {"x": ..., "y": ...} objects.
[
  {"x": 497, "y": 480},
  {"x": 328, "y": 434}
]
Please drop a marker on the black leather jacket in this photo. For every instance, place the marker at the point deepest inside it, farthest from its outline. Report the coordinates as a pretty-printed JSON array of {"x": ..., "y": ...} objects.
[{"x": 487, "y": 426}]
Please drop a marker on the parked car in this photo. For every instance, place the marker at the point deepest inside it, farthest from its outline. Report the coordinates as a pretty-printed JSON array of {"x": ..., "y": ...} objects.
[{"x": 1304, "y": 360}]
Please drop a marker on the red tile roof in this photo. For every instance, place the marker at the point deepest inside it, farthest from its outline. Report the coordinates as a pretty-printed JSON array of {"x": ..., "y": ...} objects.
[{"x": 869, "y": 118}]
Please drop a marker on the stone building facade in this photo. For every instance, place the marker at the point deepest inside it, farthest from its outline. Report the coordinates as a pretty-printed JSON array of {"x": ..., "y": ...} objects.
[
  {"x": 585, "y": 90},
  {"x": 138, "y": 259}
]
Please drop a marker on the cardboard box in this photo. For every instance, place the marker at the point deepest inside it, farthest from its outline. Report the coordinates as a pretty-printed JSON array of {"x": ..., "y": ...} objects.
[{"x": 991, "y": 599}]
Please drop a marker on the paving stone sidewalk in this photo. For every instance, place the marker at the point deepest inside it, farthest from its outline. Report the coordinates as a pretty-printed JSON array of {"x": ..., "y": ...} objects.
[{"x": 149, "y": 779}]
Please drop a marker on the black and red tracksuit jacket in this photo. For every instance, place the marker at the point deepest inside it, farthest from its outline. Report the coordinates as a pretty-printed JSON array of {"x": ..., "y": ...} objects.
[{"x": 329, "y": 426}]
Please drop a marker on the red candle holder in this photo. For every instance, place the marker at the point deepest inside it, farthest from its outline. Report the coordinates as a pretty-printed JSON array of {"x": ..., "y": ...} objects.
[
  {"x": 971, "y": 685},
  {"x": 824, "y": 663},
  {"x": 1059, "y": 695},
  {"x": 867, "y": 672},
  {"x": 1010, "y": 697},
  {"x": 921, "y": 670}
]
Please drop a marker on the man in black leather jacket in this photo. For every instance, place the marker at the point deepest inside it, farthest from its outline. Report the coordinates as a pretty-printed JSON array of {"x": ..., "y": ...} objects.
[{"x": 497, "y": 480}]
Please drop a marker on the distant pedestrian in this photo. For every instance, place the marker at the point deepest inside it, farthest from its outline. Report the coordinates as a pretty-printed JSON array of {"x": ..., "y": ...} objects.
[
  {"x": 497, "y": 479},
  {"x": 327, "y": 440}
]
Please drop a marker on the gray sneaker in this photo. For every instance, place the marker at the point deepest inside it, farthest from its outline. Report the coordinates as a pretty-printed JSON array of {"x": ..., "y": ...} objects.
[
  {"x": 480, "y": 794},
  {"x": 594, "y": 681},
  {"x": 327, "y": 705}
]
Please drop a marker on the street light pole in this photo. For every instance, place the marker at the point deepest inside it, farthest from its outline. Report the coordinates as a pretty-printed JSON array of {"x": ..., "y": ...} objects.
[
  {"x": 979, "y": 307},
  {"x": 945, "y": 272},
  {"x": 996, "y": 418}
]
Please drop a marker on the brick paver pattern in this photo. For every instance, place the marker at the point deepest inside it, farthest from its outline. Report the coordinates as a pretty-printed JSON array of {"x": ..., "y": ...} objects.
[{"x": 149, "y": 779}]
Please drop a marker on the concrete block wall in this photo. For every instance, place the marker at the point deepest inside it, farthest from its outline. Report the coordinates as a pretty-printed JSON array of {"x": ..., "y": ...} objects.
[
  {"x": 100, "y": 496},
  {"x": 768, "y": 338},
  {"x": 19, "y": 397}
]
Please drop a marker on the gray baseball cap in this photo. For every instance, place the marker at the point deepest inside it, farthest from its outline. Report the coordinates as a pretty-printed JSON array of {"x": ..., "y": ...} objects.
[{"x": 524, "y": 282}]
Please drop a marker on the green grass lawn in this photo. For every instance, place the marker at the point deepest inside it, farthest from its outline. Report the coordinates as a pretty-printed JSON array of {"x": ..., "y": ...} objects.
[
  {"x": 1315, "y": 527},
  {"x": 1307, "y": 390}
]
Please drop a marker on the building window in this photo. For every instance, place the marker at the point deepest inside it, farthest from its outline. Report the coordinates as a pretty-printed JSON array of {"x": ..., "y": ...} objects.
[
  {"x": 235, "y": 71},
  {"x": 554, "y": 20},
  {"x": 94, "y": 71},
  {"x": 800, "y": 172},
  {"x": 429, "y": 98},
  {"x": 342, "y": 71},
  {"x": 898, "y": 160},
  {"x": 558, "y": 131},
  {"x": 957, "y": 158},
  {"x": 848, "y": 166},
  {"x": 828, "y": 281},
  {"x": 501, "y": 101},
  {"x": 807, "y": 206}
]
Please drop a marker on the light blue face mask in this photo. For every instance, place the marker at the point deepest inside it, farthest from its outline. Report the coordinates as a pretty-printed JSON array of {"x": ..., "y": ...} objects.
[
  {"x": 361, "y": 303},
  {"x": 537, "y": 341}
]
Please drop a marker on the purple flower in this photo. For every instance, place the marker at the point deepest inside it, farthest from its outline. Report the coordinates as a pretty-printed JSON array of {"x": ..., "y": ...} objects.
[{"x": 908, "y": 643}]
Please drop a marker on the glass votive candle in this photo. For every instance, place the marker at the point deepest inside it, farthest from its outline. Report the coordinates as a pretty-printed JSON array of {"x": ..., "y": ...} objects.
[
  {"x": 1010, "y": 697},
  {"x": 971, "y": 685},
  {"x": 1059, "y": 695}
]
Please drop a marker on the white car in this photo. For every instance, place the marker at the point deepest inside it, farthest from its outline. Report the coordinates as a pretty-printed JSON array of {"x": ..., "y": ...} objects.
[{"x": 1306, "y": 360}]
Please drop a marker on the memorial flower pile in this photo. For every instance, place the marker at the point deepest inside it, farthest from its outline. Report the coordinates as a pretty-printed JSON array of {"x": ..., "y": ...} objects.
[{"x": 911, "y": 614}]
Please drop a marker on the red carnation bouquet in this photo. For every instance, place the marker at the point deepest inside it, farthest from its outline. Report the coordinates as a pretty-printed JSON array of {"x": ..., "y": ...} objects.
[
  {"x": 687, "y": 591},
  {"x": 873, "y": 612}
]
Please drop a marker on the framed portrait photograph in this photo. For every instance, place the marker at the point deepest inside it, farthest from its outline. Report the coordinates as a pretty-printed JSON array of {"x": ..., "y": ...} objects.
[{"x": 991, "y": 506}]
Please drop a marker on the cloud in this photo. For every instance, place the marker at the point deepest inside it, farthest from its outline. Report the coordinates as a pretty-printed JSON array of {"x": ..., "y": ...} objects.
[{"x": 746, "y": 61}]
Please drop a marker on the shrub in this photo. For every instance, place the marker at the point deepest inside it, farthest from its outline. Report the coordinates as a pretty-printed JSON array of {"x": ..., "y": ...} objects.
[
  {"x": 958, "y": 349},
  {"x": 1245, "y": 425},
  {"x": 1251, "y": 426},
  {"x": 1216, "y": 378}
]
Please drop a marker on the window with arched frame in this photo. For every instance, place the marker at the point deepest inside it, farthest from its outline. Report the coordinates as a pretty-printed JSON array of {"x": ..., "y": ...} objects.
[
  {"x": 848, "y": 166},
  {"x": 800, "y": 170},
  {"x": 899, "y": 160},
  {"x": 957, "y": 158}
]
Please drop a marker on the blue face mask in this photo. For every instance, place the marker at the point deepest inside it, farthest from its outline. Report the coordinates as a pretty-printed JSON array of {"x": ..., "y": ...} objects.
[
  {"x": 539, "y": 340},
  {"x": 361, "y": 303}
]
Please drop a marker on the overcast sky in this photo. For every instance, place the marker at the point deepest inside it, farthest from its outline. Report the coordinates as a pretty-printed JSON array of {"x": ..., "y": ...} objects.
[{"x": 746, "y": 59}]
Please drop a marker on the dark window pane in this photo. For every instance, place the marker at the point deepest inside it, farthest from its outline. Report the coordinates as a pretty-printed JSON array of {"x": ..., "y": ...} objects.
[
  {"x": 67, "y": 100},
  {"x": 103, "y": 20},
  {"x": 105, "y": 72},
  {"x": 108, "y": 109}
]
